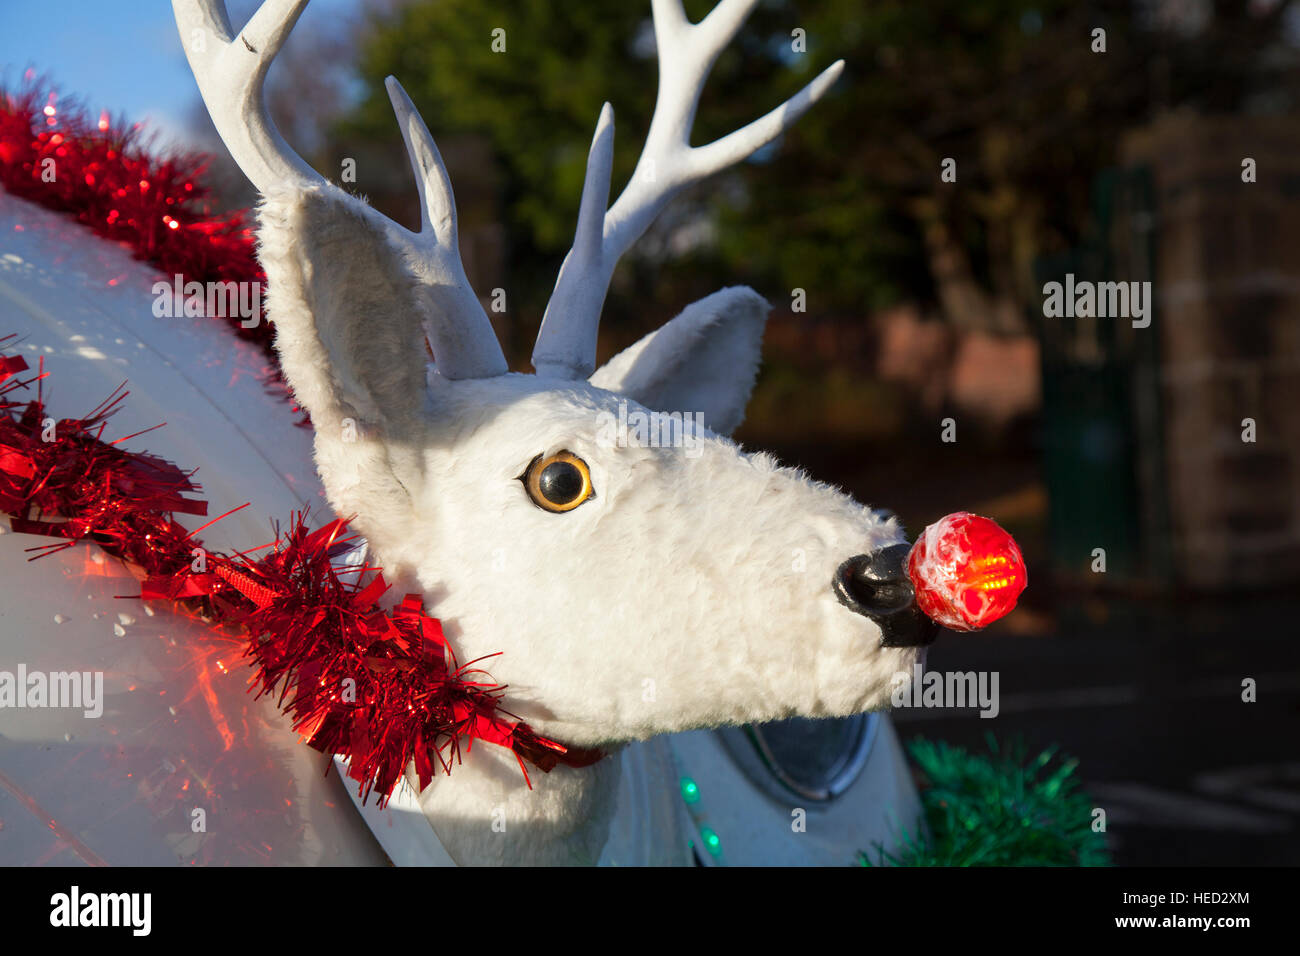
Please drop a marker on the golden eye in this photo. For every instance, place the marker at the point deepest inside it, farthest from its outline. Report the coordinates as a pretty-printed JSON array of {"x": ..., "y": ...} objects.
[{"x": 558, "y": 482}]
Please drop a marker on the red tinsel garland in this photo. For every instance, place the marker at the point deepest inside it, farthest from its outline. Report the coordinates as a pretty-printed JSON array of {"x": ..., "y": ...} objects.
[
  {"x": 101, "y": 174},
  {"x": 381, "y": 687}
]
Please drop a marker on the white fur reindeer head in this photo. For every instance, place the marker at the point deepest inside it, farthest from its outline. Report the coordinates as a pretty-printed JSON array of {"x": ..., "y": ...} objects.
[{"x": 632, "y": 588}]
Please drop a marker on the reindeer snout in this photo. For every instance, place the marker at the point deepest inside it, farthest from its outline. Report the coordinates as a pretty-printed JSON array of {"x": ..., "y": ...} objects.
[{"x": 876, "y": 586}]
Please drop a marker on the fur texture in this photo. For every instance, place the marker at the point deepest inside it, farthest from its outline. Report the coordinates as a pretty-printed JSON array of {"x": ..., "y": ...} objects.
[
  {"x": 697, "y": 361},
  {"x": 693, "y": 590}
]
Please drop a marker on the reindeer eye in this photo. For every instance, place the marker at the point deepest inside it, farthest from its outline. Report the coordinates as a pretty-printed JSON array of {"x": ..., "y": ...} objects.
[{"x": 558, "y": 482}]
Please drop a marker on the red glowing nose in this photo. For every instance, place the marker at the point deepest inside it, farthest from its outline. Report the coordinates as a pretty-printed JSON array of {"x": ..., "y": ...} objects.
[{"x": 967, "y": 572}]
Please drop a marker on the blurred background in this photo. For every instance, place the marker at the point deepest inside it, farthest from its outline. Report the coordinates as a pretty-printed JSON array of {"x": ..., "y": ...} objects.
[{"x": 1163, "y": 546}]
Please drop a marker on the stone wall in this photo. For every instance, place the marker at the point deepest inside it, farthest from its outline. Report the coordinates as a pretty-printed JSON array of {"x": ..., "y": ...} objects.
[{"x": 1227, "y": 289}]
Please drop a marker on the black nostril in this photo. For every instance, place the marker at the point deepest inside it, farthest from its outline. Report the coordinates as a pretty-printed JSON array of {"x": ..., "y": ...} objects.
[
  {"x": 876, "y": 586},
  {"x": 877, "y": 581}
]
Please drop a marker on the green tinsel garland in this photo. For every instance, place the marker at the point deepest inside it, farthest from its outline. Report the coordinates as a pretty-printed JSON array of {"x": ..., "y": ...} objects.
[{"x": 997, "y": 809}]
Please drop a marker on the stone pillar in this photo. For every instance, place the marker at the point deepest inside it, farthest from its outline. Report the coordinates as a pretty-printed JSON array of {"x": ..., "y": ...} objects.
[{"x": 1227, "y": 288}]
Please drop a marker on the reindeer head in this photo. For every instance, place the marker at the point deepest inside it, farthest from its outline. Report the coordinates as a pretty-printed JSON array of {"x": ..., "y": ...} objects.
[{"x": 634, "y": 586}]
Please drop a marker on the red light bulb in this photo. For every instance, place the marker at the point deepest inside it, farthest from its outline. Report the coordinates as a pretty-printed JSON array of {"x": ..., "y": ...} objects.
[{"x": 967, "y": 571}]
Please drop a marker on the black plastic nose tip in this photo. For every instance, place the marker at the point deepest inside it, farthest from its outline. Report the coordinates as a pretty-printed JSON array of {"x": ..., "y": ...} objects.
[{"x": 876, "y": 586}]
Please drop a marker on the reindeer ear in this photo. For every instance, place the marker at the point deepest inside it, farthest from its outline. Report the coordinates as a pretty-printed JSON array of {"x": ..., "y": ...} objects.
[{"x": 704, "y": 360}]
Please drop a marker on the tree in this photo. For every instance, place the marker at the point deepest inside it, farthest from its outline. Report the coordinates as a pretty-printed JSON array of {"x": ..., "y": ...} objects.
[{"x": 852, "y": 204}]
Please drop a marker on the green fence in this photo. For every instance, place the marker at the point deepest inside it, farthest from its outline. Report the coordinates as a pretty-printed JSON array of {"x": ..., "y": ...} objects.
[{"x": 1102, "y": 444}]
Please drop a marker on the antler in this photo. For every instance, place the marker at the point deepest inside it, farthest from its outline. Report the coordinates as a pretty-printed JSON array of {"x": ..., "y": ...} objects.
[
  {"x": 566, "y": 344},
  {"x": 231, "y": 71}
]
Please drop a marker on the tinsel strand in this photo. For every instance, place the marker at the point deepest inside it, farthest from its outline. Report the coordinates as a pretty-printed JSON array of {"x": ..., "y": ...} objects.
[{"x": 379, "y": 686}]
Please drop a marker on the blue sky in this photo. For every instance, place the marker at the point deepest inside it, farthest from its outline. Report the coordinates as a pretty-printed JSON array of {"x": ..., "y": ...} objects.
[{"x": 119, "y": 55}]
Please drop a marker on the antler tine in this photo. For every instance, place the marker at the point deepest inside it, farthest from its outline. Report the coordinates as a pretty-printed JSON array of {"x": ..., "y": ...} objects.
[
  {"x": 590, "y": 234},
  {"x": 559, "y": 352},
  {"x": 462, "y": 336},
  {"x": 231, "y": 72},
  {"x": 712, "y": 34},
  {"x": 566, "y": 343},
  {"x": 744, "y": 142},
  {"x": 437, "y": 205}
]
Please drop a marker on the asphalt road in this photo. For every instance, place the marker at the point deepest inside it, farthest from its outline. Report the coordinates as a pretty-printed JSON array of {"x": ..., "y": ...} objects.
[{"x": 1149, "y": 698}]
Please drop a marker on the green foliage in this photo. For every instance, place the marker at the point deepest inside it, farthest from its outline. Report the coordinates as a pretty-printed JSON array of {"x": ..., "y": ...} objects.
[
  {"x": 998, "y": 809},
  {"x": 849, "y": 205},
  {"x": 536, "y": 103}
]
